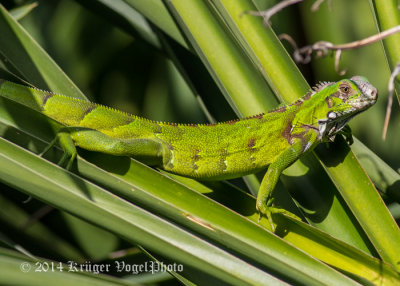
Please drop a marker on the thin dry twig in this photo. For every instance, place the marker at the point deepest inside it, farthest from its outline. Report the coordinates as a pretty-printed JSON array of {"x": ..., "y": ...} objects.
[
  {"x": 322, "y": 48},
  {"x": 318, "y": 3},
  {"x": 267, "y": 14},
  {"x": 289, "y": 39},
  {"x": 338, "y": 55},
  {"x": 36, "y": 216},
  {"x": 369, "y": 40},
  {"x": 395, "y": 73}
]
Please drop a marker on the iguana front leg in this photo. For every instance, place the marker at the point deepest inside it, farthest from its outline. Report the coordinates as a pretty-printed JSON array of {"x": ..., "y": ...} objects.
[
  {"x": 63, "y": 136},
  {"x": 348, "y": 135},
  {"x": 264, "y": 206}
]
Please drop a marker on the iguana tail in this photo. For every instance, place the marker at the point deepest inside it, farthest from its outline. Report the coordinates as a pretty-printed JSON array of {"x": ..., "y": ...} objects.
[
  {"x": 65, "y": 110},
  {"x": 33, "y": 98}
]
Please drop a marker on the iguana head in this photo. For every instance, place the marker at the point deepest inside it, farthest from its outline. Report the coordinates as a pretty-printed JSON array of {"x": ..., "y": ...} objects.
[{"x": 343, "y": 100}]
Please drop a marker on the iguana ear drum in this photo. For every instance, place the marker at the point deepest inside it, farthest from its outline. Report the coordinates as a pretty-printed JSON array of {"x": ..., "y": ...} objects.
[{"x": 331, "y": 115}]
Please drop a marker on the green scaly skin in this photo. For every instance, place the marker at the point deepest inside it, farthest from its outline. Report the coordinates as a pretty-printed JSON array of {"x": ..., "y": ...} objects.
[{"x": 210, "y": 151}]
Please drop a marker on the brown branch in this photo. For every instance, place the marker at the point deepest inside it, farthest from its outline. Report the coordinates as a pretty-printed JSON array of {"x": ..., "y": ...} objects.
[
  {"x": 369, "y": 40},
  {"x": 267, "y": 14},
  {"x": 322, "y": 48}
]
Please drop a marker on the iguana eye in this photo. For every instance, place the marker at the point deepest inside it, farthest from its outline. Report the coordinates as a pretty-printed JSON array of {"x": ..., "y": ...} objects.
[{"x": 345, "y": 89}]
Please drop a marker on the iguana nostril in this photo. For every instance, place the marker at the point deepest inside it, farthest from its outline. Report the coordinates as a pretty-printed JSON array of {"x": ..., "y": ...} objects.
[{"x": 374, "y": 93}]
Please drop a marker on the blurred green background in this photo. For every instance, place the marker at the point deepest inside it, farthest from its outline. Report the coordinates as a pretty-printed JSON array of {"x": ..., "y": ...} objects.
[{"x": 118, "y": 67}]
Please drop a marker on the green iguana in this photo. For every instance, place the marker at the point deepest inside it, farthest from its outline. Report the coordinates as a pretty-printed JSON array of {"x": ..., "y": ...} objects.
[{"x": 207, "y": 151}]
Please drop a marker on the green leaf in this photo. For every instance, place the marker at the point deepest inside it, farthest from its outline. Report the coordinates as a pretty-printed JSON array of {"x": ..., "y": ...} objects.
[
  {"x": 26, "y": 58},
  {"x": 36, "y": 233},
  {"x": 79, "y": 197},
  {"x": 154, "y": 11},
  {"x": 20, "y": 12},
  {"x": 384, "y": 177},
  {"x": 130, "y": 20}
]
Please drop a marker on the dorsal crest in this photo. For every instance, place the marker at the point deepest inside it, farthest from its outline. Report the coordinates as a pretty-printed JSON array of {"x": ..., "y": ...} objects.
[
  {"x": 321, "y": 85},
  {"x": 317, "y": 88}
]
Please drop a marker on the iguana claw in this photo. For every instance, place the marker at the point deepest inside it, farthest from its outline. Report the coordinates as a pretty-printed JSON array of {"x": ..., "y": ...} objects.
[{"x": 267, "y": 210}]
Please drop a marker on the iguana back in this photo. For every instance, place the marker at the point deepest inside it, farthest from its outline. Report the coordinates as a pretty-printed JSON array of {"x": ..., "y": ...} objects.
[{"x": 209, "y": 151}]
